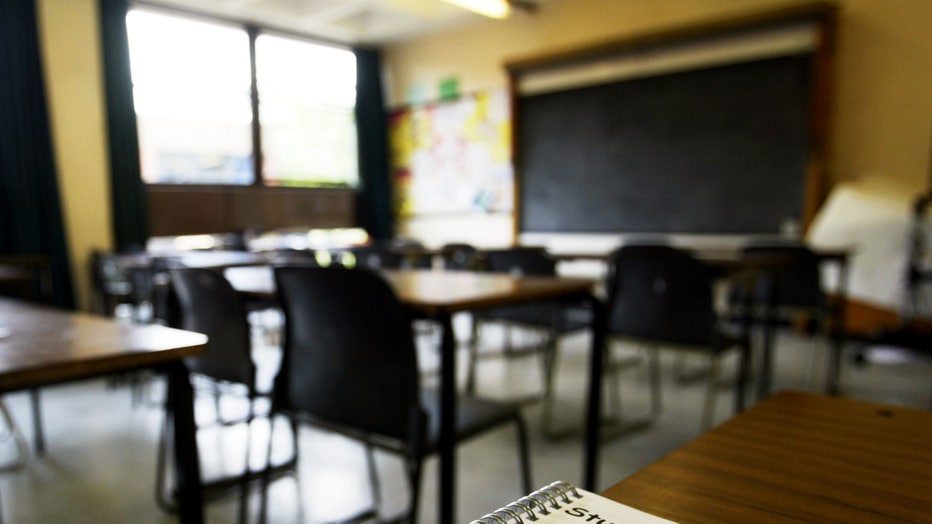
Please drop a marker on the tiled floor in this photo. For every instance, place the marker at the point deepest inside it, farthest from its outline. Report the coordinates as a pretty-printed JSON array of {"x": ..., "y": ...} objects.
[{"x": 100, "y": 463}]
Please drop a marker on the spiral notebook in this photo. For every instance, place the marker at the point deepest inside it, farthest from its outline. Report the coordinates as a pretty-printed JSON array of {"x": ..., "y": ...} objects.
[{"x": 564, "y": 503}]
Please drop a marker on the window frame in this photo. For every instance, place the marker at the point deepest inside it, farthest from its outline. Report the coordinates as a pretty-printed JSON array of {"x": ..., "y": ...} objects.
[{"x": 253, "y": 31}]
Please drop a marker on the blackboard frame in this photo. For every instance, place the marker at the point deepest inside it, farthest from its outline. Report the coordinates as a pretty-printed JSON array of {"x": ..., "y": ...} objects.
[{"x": 822, "y": 14}]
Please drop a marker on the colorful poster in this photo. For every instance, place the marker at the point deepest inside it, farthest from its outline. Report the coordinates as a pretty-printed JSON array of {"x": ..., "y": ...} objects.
[{"x": 453, "y": 157}]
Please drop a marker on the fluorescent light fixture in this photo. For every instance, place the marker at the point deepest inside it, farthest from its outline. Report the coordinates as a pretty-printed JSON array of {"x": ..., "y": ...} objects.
[{"x": 489, "y": 8}]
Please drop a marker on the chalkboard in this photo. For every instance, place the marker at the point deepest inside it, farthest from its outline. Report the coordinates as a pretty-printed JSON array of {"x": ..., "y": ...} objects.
[{"x": 716, "y": 150}]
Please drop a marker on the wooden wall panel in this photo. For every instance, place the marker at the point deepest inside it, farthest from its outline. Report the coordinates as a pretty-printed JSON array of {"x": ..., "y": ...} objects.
[
  {"x": 192, "y": 210},
  {"x": 182, "y": 213}
]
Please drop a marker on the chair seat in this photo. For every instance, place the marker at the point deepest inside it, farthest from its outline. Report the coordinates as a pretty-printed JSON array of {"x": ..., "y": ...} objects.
[
  {"x": 473, "y": 416},
  {"x": 541, "y": 315},
  {"x": 724, "y": 341}
]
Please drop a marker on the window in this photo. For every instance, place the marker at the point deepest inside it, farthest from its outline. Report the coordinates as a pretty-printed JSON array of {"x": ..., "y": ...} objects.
[
  {"x": 307, "y": 96},
  {"x": 192, "y": 89}
]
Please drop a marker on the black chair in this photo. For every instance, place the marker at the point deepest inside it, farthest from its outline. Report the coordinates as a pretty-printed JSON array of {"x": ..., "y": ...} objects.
[
  {"x": 791, "y": 273},
  {"x": 350, "y": 365},
  {"x": 112, "y": 284},
  {"x": 662, "y": 296},
  {"x": 370, "y": 257},
  {"x": 209, "y": 305},
  {"x": 459, "y": 257},
  {"x": 784, "y": 285},
  {"x": 414, "y": 255},
  {"x": 549, "y": 319},
  {"x": 388, "y": 255}
]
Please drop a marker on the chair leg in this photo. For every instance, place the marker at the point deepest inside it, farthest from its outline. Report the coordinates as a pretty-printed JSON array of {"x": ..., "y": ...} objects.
[
  {"x": 613, "y": 384},
  {"x": 267, "y": 470},
  {"x": 656, "y": 391},
  {"x": 622, "y": 426},
  {"x": 523, "y": 455},
  {"x": 743, "y": 378},
  {"x": 473, "y": 358},
  {"x": 22, "y": 449},
  {"x": 374, "y": 485},
  {"x": 708, "y": 413},
  {"x": 683, "y": 374},
  {"x": 38, "y": 431},
  {"x": 548, "y": 397},
  {"x": 161, "y": 498},
  {"x": 613, "y": 365},
  {"x": 414, "y": 466},
  {"x": 247, "y": 470}
]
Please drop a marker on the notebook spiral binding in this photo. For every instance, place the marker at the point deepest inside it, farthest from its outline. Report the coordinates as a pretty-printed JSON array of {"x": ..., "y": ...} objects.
[{"x": 532, "y": 507}]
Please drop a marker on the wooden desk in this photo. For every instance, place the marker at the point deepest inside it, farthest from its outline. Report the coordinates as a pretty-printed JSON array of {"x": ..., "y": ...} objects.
[
  {"x": 41, "y": 346},
  {"x": 438, "y": 295},
  {"x": 795, "y": 457}
]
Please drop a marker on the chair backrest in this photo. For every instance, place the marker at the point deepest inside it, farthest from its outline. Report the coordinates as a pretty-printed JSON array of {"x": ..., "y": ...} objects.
[
  {"x": 458, "y": 256},
  {"x": 349, "y": 356},
  {"x": 660, "y": 293},
  {"x": 108, "y": 276},
  {"x": 208, "y": 304},
  {"x": 374, "y": 257},
  {"x": 792, "y": 271},
  {"x": 519, "y": 260}
]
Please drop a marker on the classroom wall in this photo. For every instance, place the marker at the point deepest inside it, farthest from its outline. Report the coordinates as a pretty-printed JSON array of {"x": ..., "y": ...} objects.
[
  {"x": 880, "y": 124},
  {"x": 70, "y": 35},
  {"x": 882, "y": 115}
]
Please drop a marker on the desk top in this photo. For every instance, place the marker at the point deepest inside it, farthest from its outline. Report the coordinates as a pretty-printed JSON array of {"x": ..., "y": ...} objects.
[
  {"x": 795, "y": 456},
  {"x": 433, "y": 291},
  {"x": 41, "y": 345}
]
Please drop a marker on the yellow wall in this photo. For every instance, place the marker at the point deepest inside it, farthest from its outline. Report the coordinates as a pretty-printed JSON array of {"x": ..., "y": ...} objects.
[
  {"x": 882, "y": 111},
  {"x": 70, "y": 46}
]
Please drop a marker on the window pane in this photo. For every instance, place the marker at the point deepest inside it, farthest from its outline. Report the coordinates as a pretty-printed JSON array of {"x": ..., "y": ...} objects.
[
  {"x": 307, "y": 99},
  {"x": 191, "y": 89}
]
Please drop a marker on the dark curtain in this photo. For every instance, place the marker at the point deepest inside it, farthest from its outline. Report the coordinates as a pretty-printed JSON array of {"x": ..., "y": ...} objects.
[
  {"x": 30, "y": 209},
  {"x": 375, "y": 202},
  {"x": 128, "y": 193}
]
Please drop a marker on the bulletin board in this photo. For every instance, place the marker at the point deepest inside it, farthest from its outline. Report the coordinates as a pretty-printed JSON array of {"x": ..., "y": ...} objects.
[{"x": 453, "y": 157}]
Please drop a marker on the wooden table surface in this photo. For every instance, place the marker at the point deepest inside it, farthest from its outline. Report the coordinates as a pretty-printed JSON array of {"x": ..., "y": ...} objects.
[
  {"x": 40, "y": 346},
  {"x": 796, "y": 457},
  {"x": 431, "y": 291}
]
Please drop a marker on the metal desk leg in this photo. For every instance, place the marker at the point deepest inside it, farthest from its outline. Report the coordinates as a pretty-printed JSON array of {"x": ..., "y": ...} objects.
[
  {"x": 447, "y": 476},
  {"x": 835, "y": 351},
  {"x": 180, "y": 409},
  {"x": 838, "y": 331},
  {"x": 594, "y": 412},
  {"x": 764, "y": 384}
]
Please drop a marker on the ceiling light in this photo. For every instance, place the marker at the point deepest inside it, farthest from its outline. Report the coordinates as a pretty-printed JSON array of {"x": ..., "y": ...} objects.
[{"x": 489, "y": 8}]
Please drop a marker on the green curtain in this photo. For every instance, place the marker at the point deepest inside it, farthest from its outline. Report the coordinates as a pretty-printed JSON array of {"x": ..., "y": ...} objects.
[
  {"x": 30, "y": 209},
  {"x": 375, "y": 200},
  {"x": 128, "y": 192}
]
